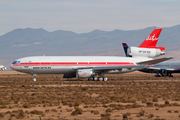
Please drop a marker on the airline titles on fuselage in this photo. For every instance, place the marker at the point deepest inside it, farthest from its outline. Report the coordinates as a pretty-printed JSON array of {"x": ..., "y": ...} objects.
[{"x": 41, "y": 67}]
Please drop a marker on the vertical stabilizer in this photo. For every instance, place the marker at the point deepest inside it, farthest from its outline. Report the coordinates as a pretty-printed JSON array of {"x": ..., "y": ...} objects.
[
  {"x": 152, "y": 39},
  {"x": 126, "y": 49}
]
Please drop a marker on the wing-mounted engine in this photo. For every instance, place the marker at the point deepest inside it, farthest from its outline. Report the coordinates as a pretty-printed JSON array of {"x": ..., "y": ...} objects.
[
  {"x": 84, "y": 73},
  {"x": 144, "y": 52}
]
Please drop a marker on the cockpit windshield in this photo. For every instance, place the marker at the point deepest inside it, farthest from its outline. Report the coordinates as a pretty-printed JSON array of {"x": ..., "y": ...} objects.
[{"x": 16, "y": 62}]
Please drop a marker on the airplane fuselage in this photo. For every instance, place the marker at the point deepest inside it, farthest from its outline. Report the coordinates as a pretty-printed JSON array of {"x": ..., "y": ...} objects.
[{"x": 68, "y": 64}]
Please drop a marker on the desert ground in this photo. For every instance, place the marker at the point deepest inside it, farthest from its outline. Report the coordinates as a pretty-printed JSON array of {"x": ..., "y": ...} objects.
[{"x": 132, "y": 96}]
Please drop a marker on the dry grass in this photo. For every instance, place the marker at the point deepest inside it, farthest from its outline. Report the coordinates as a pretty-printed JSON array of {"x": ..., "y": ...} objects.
[
  {"x": 99, "y": 98},
  {"x": 36, "y": 112},
  {"x": 77, "y": 111}
]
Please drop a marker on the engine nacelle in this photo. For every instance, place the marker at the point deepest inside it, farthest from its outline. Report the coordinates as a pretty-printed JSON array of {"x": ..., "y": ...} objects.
[
  {"x": 84, "y": 73},
  {"x": 144, "y": 52}
]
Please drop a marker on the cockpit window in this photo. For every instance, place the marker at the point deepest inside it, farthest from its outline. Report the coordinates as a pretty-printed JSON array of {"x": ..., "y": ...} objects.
[{"x": 16, "y": 62}]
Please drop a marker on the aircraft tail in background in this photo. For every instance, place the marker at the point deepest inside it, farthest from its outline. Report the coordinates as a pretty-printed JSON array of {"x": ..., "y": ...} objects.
[
  {"x": 126, "y": 49},
  {"x": 147, "y": 48},
  {"x": 151, "y": 40}
]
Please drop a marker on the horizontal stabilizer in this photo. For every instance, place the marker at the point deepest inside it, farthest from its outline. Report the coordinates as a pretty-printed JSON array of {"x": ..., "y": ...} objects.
[{"x": 155, "y": 61}]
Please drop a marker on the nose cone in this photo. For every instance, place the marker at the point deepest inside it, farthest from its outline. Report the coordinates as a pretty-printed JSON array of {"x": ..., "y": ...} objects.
[{"x": 12, "y": 67}]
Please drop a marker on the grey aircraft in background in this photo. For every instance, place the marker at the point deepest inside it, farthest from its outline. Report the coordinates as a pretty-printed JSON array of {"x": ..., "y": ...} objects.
[{"x": 164, "y": 69}]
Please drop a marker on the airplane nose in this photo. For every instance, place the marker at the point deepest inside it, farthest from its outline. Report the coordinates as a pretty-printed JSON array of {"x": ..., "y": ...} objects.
[{"x": 11, "y": 66}]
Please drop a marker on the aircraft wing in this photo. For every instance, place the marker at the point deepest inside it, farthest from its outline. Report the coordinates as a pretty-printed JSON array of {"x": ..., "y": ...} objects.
[
  {"x": 157, "y": 69},
  {"x": 169, "y": 69},
  {"x": 111, "y": 68},
  {"x": 117, "y": 67},
  {"x": 154, "y": 68},
  {"x": 140, "y": 65},
  {"x": 155, "y": 61}
]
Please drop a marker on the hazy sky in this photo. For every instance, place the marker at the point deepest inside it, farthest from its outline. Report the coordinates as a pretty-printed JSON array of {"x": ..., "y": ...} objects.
[{"x": 82, "y": 16}]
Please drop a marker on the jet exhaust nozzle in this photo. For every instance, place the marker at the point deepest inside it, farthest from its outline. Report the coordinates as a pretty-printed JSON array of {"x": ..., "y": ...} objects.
[{"x": 162, "y": 53}]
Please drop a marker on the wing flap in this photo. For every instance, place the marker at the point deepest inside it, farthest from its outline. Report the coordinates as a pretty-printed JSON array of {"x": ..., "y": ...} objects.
[{"x": 117, "y": 67}]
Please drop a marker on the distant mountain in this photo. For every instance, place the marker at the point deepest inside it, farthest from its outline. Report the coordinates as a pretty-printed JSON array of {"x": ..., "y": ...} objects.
[{"x": 29, "y": 42}]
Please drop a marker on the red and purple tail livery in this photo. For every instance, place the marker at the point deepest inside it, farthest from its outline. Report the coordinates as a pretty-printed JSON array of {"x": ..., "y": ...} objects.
[
  {"x": 152, "y": 39},
  {"x": 126, "y": 51}
]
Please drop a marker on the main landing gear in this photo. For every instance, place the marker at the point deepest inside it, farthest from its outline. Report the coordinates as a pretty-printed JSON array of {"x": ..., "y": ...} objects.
[
  {"x": 170, "y": 75},
  {"x": 98, "y": 79},
  {"x": 34, "y": 75},
  {"x": 163, "y": 73}
]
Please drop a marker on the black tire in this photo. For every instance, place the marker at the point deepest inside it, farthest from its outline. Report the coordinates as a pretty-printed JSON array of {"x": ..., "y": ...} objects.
[{"x": 164, "y": 73}]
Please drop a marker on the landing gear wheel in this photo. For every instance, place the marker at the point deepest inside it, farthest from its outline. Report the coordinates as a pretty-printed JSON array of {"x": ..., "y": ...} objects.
[
  {"x": 105, "y": 79},
  {"x": 34, "y": 79},
  {"x": 100, "y": 78},
  {"x": 95, "y": 78},
  {"x": 164, "y": 73}
]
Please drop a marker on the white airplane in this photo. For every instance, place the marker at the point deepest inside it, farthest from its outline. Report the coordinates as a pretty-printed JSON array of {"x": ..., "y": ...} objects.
[
  {"x": 90, "y": 66},
  {"x": 2, "y": 67}
]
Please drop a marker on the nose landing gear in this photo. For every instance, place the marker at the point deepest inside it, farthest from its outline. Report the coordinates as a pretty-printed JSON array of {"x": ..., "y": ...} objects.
[{"x": 34, "y": 75}]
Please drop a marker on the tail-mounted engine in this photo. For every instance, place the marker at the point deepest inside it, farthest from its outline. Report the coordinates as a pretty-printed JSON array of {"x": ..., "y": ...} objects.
[{"x": 144, "y": 52}]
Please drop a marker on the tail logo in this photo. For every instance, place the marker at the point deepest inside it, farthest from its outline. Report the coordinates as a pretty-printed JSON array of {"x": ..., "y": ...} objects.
[{"x": 153, "y": 38}]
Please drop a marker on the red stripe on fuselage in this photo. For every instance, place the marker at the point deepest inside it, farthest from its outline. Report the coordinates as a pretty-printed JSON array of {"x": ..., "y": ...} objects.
[{"x": 76, "y": 64}]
